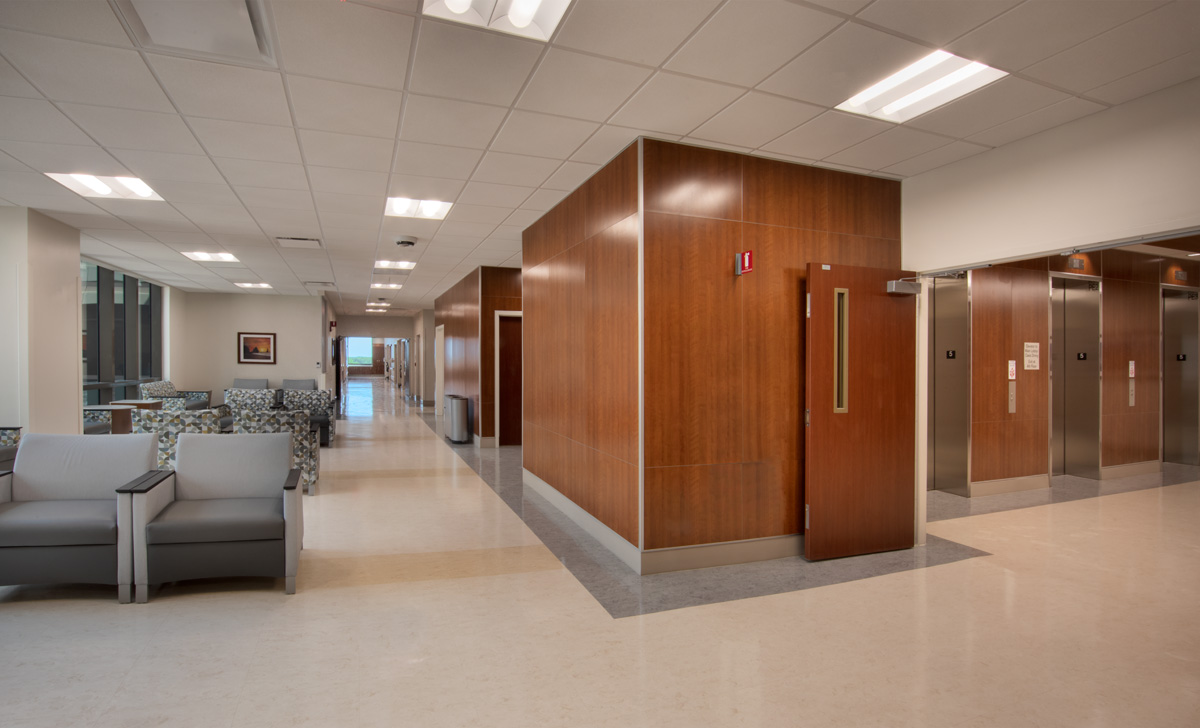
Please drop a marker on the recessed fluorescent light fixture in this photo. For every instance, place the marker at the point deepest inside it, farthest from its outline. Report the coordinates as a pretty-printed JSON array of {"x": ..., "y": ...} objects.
[
  {"x": 424, "y": 209},
  {"x": 112, "y": 188},
  {"x": 253, "y": 285},
  {"x": 396, "y": 264},
  {"x": 535, "y": 19},
  {"x": 380, "y": 305},
  {"x": 936, "y": 79},
  {"x": 1193, "y": 255},
  {"x": 393, "y": 286},
  {"x": 211, "y": 257},
  {"x": 376, "y": 310}
]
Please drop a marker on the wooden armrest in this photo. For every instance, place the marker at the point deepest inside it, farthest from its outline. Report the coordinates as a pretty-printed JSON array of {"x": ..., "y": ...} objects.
[
  {"x": 293, "y": 479},
  {"x": 144, "y": 483}
]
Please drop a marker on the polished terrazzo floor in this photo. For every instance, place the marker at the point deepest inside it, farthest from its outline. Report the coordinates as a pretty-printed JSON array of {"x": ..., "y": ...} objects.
[{"x": 424, "y": 600}]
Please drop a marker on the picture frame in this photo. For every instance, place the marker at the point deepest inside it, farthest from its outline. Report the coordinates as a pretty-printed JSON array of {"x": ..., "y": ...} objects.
[{"x": 255, "y": 348}]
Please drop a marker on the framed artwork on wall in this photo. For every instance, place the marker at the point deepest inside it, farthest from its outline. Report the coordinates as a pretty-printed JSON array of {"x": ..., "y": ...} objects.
[{"x": 256, "y": 348}]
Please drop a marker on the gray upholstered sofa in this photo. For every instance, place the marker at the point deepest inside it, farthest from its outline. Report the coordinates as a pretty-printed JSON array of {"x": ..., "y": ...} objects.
[
  {"x": 231, "y": 507},
  {"x": 62, "y": 519}
]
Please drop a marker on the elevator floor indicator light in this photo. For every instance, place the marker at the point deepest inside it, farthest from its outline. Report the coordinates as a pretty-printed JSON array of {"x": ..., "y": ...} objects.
[{"x": 1081, "y": 356}]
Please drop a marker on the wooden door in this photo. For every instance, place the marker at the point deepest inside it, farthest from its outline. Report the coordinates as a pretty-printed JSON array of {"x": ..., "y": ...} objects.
[
  {"x": 509, "y": 345},
  {"x": 859, "y": 495}
]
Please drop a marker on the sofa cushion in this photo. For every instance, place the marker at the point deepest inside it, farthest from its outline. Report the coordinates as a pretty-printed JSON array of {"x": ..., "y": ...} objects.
[
  {"x": 229, "y": 466},
  {"x": 80, "y": 467},
  {"x": 249, "y": 384},
  {"x": 218, "y": 519},
  {"x": 59, "y": 523},
  {"x": 299, "y": 384}
]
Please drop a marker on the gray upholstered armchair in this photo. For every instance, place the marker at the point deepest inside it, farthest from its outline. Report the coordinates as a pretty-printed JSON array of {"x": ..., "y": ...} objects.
[
  {"x": 230, "y": 508},
  {"x": 62, "y": 517},
  {"x": 193, "y": 399}
]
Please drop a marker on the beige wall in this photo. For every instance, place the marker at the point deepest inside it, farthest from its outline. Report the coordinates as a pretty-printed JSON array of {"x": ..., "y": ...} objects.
[
  {"x": 1129, "y": 171},
  {"x": 376, "y": 327},
  {"x": 203, "y": 339},
  {"x": 423, "y": 356},
  {"x": 41, "y": 367}
]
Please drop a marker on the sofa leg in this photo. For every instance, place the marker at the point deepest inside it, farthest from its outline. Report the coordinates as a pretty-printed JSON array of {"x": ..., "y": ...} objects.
[
  {"x": 124, "y": 593},
  {"x": 142, "y": 592},
  {"x": 289, "y": 585}
]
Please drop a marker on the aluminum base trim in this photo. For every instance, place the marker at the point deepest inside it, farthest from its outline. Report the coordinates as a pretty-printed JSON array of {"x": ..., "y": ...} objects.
[
  {"x": 703, "y": 556},
  {"x": 1009, "y": 485},
  {"x": 485, "y": 441},
  {"x": 1149, "y": 467},
  {"x": 610, "y": 539}
]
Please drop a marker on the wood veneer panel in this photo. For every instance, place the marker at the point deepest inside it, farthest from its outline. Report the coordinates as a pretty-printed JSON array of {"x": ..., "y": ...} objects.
[
  {"x": 1091, "y": 263},
  {"x": 613, "y": 321},
  {"x": 693, "y": 181},
  {"x": 1190, "y": 270},
  {"x": 1131, "y": 312},
  {"x": 1009, "y": 449},
  {"x": 612, "y": 193},
  {"x": 693, "y": 348},
  {"x": 786, "y": 195},
  {"x": 458, "y": 310},
  {"x": 866, "y": 206},
  {"x": 557, "y": 230},
  {"x": 694, "y": 504},
  {"x": 1127, "y": 266},
  {"x": 1038, "y": 264}
]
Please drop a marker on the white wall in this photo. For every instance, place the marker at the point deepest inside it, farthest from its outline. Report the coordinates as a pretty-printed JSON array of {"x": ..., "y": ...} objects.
[
  {"x": 204, "y": 339},
  {"x": 1129, "y": 171},
  {"x": 41, "y": 363},
  {"x": 423, "y": 326},
  {"x": 376, "y": 327}
]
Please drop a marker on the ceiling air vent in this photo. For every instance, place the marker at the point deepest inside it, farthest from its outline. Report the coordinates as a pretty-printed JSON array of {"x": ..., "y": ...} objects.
[
  {"x": 321, "y": 285},
  {"x": 227, "y": 30},
  {"x": 301, "y": 243}
]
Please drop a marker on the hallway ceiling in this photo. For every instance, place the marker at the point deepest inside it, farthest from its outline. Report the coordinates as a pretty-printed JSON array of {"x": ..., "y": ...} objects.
[{"x": 370, "y": 100}]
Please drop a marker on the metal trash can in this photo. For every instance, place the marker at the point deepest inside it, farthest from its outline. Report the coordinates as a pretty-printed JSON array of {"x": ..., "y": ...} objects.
[{"x": 457, "y": 428}]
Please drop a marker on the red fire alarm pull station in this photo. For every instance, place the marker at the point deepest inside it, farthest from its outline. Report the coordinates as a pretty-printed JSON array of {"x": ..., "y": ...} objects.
[{"x": 745, "y": 262}]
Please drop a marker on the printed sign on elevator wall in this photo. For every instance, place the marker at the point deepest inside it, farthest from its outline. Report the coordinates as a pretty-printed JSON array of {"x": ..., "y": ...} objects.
[{"x": 1032, "y": 355}]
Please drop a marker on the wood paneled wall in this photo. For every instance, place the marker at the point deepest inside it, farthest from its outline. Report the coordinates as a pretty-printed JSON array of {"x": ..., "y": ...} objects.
[
  {"x": 580, "y": 408},
  {"x": 724, "y": 358},
  {"x": 500, "y": 290},
  {"x": 458, "y": 310},
  {"x": 1131, "y": 313},
  {"x": 1009, "y": 307}
]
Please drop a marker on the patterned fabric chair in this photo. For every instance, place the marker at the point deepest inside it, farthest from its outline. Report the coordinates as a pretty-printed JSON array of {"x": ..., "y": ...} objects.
[
  {"x": 169, "y": 424},
  {"x": 193, "y": 399},
  {"x": 320, "y": 407},
  {"x": 97, "y": 422},
  {"x": 306, "y": 449},
  {"x": 251, "y": 400},
  {"x": 172, "y": 404},
  {"x": 10, "y": 438}
]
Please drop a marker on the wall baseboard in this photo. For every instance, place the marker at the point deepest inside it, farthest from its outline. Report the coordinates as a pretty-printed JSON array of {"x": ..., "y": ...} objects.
[
  {"x": 1149, "y": 467},
  {"x": 1009, "y": 485},
  {"x": 607, "y": 537}
]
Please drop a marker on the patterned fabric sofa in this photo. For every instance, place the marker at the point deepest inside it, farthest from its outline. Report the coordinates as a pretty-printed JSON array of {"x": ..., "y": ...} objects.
[
  {"x": 168, "y": 425},
  {"x": 97, "y": 422},
  {"x": 193, "y": 399},
  {"x": 306, "y": 449},
  {"x": 320, "y": 407},
  {"x": 253, "y": 400},
  {"x": 10, "y": 438}
]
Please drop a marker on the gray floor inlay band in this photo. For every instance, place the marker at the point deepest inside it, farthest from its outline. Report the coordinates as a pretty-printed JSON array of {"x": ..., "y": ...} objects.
[{"x": 625, "y": 594}]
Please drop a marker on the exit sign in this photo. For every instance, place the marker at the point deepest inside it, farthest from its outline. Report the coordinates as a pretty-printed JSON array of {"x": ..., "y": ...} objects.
[{"x": 745, "y": 262}]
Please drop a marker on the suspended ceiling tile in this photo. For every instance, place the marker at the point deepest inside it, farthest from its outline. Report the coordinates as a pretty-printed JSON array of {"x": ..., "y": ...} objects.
[
  {"x": 473, "y": 232},
  {"x": 935, "y": 21},
  {"x": 254, "y": 173},
  {"x": 1139, "y": 44},
  {"x": 8, "y": 164},
  {"x": 365, "y": 223},
  {"x": 65, "y": 158},
  {"x": 424, "y": 188},
  {"x": 221, "y": 91},
  {"x": 609, "y": 141},
  {"x": 35, "y": 120},
  {"x": 544, "y": 199},
  {"x": 848, "y": 7},
  {"x": 273, "y": 197},
  {"x": 169, "y": 166},
  {"x": 435, "y": 160},
  {"x": 827, "y": 134},
  {"x": 231, "y": 240},
  {"x": 1166, "y": 74},
  {"x": 631, "y": 30},
  {"x": 486, "y": 193},
  {"x": 756, "y": 119},
  {"x": 1036, "y": 30},
  {"x": 352, "y": 204},
  {"x": 86, "y": 220},
  {"x": 716, "y": 145},
  {"x": 84, "y": 20},
  {"x": 852, "y": 58},
  {"x": 182, "y": 240},
  {"x": 471, "y": 64},
  {"x": 328, "y": 149},
  {"x": 128, "y": 129},
  {"x": 287, "y": 223},
  {"x": 235, "y": 227},
  {"x": 580, "y": 86},
  {"x": 513, "y": 227},
  {"x": 478, "y": 213},
  {"x": 675, "y": 104},
  {"x": 541, "y": 135},
  {"x": 119, "y": 237},
  {"x": 454, "y": 123},
  {"x": 1067, "y": 110},
  {"x": 343, "y": 107},
  {"x": 12, "y": 84},
  {"x": 241, "y": 140},
  {"x": 517, "y": 169},
  {"x": 203, "y": 214},
  {"x": 571, "y": 175},
  {"x": 891, "y": 147},
  {"x": 344, "y": 42},
  {"x": 394, "y": 227},
  {"x": 1003, "y": 100},
  {"x": 348, "y": 181},
  {"x": 33, "y": 183},
  {"x": 53, "y": 204},
  {"x": 194, "y": 192},
  {"x": 67, "y": 70},
  {"x": 777, "y": 31}
]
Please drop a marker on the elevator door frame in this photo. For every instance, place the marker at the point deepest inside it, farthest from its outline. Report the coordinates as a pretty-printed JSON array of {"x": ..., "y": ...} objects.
[
  {"x": 1057, "y": 384},
  {"x": 1170, "y": 291}
]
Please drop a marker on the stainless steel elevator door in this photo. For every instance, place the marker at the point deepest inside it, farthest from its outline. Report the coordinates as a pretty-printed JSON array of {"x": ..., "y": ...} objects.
[
  {"x": 1181, "y": 392},
  {"x": 1075, "y": 430},
  {"x": 951, "y": 385}
]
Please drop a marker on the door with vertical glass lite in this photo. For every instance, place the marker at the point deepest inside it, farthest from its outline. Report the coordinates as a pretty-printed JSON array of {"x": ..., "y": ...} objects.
[{"x": 860, "y": 392}]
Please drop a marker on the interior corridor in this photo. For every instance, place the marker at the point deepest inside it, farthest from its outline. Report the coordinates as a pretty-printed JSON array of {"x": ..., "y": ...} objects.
[{"x": 423, "y": 599}]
